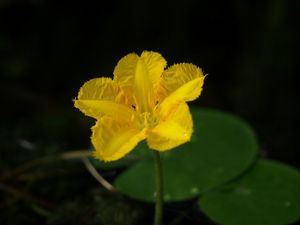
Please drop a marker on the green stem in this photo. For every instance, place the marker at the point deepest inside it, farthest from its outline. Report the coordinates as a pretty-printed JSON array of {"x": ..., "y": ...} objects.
[{"x": 159, "y": 189}]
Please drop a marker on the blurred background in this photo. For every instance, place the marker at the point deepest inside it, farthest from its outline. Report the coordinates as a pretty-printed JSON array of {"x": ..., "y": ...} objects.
[{"x": 249, "y": 49}]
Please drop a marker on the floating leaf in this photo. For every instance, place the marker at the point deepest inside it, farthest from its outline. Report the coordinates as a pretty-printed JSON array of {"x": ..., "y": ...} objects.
[
  {"x": 269, "y": 194},
  {"x": 222, "y": 147}
]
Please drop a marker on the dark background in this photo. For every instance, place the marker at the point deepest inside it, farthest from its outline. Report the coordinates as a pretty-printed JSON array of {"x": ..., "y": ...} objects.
[{"x": 250, "y": 49}]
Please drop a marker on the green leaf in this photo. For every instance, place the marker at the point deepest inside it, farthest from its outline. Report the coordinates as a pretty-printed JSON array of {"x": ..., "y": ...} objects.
[
  {"x": 269, "y": 194},
  {"x": 222, "y": 147}
]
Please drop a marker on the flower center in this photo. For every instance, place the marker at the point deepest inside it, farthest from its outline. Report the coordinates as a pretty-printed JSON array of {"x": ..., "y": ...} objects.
[{"x": 147, "y": 120}]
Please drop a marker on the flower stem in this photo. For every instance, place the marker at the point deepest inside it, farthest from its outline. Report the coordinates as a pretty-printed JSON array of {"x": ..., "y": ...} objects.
[{"x": 159, "y": 189}]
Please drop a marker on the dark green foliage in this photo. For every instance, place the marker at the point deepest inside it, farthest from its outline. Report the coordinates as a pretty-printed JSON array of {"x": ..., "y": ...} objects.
[{"x": 268, "y": 194}]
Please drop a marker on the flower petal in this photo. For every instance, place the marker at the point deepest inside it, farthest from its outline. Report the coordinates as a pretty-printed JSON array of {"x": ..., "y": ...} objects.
[
  {"x": 138, "y": 76},
  {"x": 124, "y": 72},
  {"x": 103, "y": 88},
  {"x": 155, "y": 64},
  {"x": 96, "y": 109},
  {"x": 180, "y": 82},
  {"x": 113, "y": 140},
  {"x": 99, "y": 96},
  {"x": 175, "y": 130}
]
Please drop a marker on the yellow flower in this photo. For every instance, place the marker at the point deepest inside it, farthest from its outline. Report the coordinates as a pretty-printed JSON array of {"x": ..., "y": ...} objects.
[{"x": 142, "y": 101}]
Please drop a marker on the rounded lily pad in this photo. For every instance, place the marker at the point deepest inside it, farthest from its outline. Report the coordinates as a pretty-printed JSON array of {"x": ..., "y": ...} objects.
[
  {"x": 222, "y": 147},
  {"x": 269, "y": 194}
]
